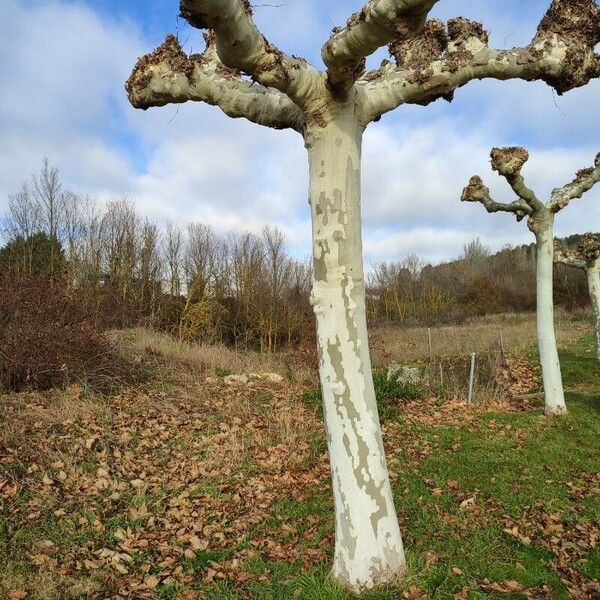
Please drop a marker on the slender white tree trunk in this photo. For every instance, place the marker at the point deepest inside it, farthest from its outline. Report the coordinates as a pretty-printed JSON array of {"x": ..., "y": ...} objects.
[
  {"x": 368, "y": 547},
  {"x": 593, "y": 274},
  {"x": 553, "y": 387}
]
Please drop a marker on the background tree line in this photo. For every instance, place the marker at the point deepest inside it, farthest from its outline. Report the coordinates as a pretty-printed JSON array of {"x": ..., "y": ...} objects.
[
  {"x": 244, "y": 289},
  {"x": 239, "y": 289},
  {"x": 477, "y": 283}
]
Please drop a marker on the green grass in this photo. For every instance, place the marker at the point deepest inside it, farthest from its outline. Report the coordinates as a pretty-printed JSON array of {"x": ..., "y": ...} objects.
[
  {"x": 508, "y": 462},
  {"x": 517, "y": 467}
]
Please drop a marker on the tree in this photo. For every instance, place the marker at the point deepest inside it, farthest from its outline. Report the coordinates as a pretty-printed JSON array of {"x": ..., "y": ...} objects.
[
  {"x": 56, "y": 207},
  {"x": 587, "y": 257},
  {"x": 36, "y": 254},
  {"x": 43, "y": 206},
  {"x": 246, "y": 76},
  {"x": 173, "y": 253},
  {"x": 508, "y": 162}
]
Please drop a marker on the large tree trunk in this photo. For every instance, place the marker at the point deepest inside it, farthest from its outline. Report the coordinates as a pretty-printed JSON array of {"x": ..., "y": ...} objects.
[
  {"x": 553, "y": 387},
  {"x": 593, "y": 274},
  {"x": 368, "y": 547}
]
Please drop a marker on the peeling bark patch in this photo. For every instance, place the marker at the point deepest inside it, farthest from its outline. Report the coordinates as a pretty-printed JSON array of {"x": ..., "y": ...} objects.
[
  {"x": 348, "y": 413},
  {"x": 346, "y": 538},
  {"x": 350, "y": 306},
  {"x": 320, "y": 269}
]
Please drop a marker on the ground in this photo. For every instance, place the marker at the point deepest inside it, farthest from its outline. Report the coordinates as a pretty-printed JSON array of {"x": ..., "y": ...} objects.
[{"x": 179, "y": 488}]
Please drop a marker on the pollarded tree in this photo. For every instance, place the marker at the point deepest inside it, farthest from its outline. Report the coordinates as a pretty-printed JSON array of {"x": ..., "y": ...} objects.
[
  {"x": 586, "y": 256},
  {"x": 331, "y": 110},
  {"x": 508, "y": 162}
]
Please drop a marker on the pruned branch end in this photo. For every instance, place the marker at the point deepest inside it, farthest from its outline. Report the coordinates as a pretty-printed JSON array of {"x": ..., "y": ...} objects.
[
  {"x": 476, "y": 191},
  {"x": 508, "y": 162},
  {"x": 168, "y": 60}
]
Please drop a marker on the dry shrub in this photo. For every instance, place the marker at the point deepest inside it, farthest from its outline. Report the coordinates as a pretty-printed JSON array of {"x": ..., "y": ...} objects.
[
  {"x": 48, "y": 338},
  {"x": 200, "y": 320},
  {"x": 201, "y": 360}
]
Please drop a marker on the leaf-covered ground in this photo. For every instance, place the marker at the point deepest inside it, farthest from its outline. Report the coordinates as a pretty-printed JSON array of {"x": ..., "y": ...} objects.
[{"x": 188, "y": 490}]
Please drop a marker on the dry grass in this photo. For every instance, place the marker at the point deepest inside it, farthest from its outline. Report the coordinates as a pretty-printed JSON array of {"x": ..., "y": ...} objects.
[
  {"x": 142, "y": 474},
  {"x": 181, "y": 484},
  {"x": 26, "y": 411},
  {"x": 479, "y": 335},
  {"x": 201, "y": 360}
]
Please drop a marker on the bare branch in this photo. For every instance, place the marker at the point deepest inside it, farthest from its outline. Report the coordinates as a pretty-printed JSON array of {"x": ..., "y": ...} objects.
[
  {"x": 240, "y": 45},
  {"x": 476, "y": 191},
  {"x": 569, "y": 258},
  {"x": 435, "y": 63},
  {"x": 379, "y": 23},
  {"x": 584, "y": 180},
  {"x": 169, "y": 76}
]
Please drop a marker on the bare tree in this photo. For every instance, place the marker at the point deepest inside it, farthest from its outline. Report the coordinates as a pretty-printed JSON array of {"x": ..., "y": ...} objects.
[
  {"x": 199, "y": 259},
  {"x": 149, "y": 269},
  {"x": 85, "y": 244},
  {"x": 54, "y": 205},
  {"x": 22, "y": 223},
  {"x": 173, "y": 252},
  {"x": 120, "y": 231},
  {"x": 44, "y": 206},
  {"x": 585, "y": 256},
  {"x": 246, "y": 76},
  {"x": 508, "y": 162}
]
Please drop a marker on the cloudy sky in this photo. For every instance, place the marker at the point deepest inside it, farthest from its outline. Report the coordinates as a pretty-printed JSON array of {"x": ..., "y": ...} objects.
[{"x": 62, "y": 68}]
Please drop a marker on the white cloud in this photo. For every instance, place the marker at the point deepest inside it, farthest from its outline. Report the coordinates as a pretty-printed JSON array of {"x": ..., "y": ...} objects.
[
  {"x": 62, "y": 90},
  {"x": 63, "y": 97}
]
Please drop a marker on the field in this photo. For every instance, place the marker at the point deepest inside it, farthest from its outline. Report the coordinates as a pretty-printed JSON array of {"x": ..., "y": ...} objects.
[{"x": 188, "y": 489}]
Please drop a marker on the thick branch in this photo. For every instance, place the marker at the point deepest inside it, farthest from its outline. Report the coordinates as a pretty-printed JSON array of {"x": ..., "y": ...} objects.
[
  {"x": 568, "y": 258},
  {"x": 169, "y": 76},
  {"x": 241, "y": 46},
  {"x": 437, "y": 62},
  {"x": 585, "y": 180},
  {"x": 379, "y": 23},
  {"x": 476, "y": 191}
]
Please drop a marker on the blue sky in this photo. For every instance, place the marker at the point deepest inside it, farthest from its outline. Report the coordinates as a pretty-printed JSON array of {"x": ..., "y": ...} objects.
[{"x": 63, "y": 64}]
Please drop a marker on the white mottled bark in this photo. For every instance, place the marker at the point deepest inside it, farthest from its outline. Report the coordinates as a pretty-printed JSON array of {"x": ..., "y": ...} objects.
[
  {"x": 593, "y": 275},
  {"x": 368, "y": 548},
  {"x": 553, "y": 387}
]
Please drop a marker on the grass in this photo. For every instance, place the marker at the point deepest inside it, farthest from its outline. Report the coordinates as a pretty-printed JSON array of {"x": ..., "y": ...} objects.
[
  {"x": 488, "y": 498},
  {"x": 478, "y": 335}
]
